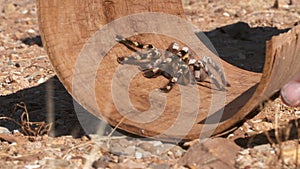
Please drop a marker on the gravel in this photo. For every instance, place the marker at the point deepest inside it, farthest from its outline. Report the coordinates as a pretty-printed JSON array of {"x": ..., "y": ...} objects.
[{"x": 26, "y": 76}]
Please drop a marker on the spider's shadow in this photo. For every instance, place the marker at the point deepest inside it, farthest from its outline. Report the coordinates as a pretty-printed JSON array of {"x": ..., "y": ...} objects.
[
  {"x": 240, "y": 45},
  {"x": 208, "y": 86}
]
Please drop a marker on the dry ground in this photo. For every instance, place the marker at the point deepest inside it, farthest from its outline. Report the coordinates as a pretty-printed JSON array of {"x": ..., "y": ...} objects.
[{"x": 28, "y": 88}]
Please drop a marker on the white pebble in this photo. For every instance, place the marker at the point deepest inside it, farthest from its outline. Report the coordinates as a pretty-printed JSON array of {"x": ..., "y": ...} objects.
[
  {"x": 138, "y": 155},
  {"x": 32, "y": 166},
  {"x": 41, "y": 80},
  {"x": 4, "y": 130},
  {"x": 2, "y": 48},
  {"x": 31, "y": 31},
  {"x": 226, "y": 14}
]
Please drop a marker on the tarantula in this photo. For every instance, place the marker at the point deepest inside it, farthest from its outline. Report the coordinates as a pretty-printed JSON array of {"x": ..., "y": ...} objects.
[{"x": 175, "y": 64}]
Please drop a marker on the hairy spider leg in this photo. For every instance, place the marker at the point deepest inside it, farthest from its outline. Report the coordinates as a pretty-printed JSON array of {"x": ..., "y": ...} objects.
[
  {"x": 128, "y": 42},
  {"x": 178, "y": 77},
  {"x": 177, "y": 70},
  {"x": 152, "y": 58},
  {"x": 187, "y": 76},
  {"x": 142, "y": 59},
  {"x": 208, "y": 60},
  {"x": 198, "y": 67},
  {"x": 172, "y": 49},
  {"x": 184, "y": 54},
  {"x": 159, "y": 66}
]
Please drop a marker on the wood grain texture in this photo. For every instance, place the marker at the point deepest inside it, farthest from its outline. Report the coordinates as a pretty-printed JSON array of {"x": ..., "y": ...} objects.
[{"x": 70, "y": 32}]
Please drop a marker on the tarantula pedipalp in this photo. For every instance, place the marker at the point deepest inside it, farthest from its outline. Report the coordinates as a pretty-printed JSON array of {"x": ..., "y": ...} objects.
[{"x": 174, "y": 64}]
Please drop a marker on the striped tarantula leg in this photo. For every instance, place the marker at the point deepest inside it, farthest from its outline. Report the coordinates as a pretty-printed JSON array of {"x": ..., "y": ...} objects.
[
  {"x": 173, "y": 80},
  {"x": 182, "y": 76},
  {"x": 132, "y": 59},
  {"x": 211, "y": 76},
  {"x": 131, "y": 43},
  {"x": 151, "y": 51},
  {"x": 121, "y": 60},
  {"x": 208, "y": 60},
  {"x": 169, "y": 86},
  {"x": 184, "y": 54},
  {"x": 173, "y": 48},
  {"x": 152, "y": 73}
]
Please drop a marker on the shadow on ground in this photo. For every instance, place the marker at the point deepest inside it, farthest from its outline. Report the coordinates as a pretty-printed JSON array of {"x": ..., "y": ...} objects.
[
  {"x": 241, "y": 45},
  {"x": 41, "y": 100}
]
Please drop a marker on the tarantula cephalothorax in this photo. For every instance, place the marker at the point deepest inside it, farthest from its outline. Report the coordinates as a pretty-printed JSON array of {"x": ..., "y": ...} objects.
[{"x": 174, "y": 64}]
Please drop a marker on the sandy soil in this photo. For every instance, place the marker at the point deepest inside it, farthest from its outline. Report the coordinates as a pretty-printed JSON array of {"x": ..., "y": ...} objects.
[{"x": 29, "y": 88}]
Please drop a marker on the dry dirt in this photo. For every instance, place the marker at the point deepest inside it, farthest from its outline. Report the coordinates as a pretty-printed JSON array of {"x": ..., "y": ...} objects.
[{"x": 29, "y": 90}]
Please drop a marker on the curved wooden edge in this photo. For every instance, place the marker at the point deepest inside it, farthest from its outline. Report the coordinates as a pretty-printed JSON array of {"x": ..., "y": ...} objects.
[
  {"x": 66, "y": 26},
  {"x": 282, "y": 56}
]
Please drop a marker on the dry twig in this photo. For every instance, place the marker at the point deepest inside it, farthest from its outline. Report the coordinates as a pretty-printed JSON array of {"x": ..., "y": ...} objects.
[{"x": 28, "y": 128}]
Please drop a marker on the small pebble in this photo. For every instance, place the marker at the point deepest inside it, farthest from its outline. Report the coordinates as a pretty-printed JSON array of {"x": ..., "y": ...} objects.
[
  {"x": 9, "y": 8},
  {"x": 32, "y": 166},
  {"x": 102, "y": 162},
  {"x": 31, "y": 31},
  {"x": 159, "y": 166},
  {"x": 138, "y": 155},
  {"x": 57, "y": 163},
  {"x": 157, "y": 143},
  {"x": 41, "y": 80},
  {"x": 147, "y": 147},
  {"x": 4, "y": 130},
  {"x": 1, "y": 47},
  {"x": 226, "y": 14}
]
